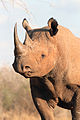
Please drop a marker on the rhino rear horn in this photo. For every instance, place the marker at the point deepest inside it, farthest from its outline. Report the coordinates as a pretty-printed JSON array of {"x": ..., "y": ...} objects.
[
  {"x": 52, "y": 23},
  {"x": 27, "y": 40}
]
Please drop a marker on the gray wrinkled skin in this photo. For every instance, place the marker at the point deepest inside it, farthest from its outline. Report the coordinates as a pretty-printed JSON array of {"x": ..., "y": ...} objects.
[{"x": 50, "y": 57}]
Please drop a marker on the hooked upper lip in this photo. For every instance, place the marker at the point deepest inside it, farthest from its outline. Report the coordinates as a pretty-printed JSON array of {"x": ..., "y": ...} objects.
[
  {"x": 26, "y": 71},
  {"x": 27, "y": 74}
]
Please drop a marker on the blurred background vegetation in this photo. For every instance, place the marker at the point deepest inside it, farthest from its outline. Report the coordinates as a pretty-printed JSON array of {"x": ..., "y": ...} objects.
[
  {"x": 15, "y": 95},
  {"x": 16, "y": 101}
]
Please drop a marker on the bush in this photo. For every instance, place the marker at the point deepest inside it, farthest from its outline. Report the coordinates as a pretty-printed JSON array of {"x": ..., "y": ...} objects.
[{"x": 15, "y": 91}]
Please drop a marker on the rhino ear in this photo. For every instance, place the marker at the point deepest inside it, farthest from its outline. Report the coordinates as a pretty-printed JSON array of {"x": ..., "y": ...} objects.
[
  {"x": 52, "y": 23},
  {"x": 25, "y": 25}
]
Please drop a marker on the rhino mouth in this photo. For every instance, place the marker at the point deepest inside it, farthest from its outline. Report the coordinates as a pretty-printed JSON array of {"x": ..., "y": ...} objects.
[{"x": 27, "y": 74}]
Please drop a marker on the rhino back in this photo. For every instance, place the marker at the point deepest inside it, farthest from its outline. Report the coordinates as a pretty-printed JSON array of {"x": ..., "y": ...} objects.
[{"x": 69, "y": 47}]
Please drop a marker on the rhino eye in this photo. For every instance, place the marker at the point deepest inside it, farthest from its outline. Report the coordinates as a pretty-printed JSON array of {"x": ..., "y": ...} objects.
[{"x": 42, "y": 55}]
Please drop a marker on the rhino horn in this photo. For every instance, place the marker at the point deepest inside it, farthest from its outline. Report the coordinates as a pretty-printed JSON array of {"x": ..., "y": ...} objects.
[
  {"x": 28, "y": 40},
  {"x": 19, "y": 47}
]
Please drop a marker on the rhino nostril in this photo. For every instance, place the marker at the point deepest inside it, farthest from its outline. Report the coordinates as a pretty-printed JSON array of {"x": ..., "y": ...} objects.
[{"x": 27, "y": 67}]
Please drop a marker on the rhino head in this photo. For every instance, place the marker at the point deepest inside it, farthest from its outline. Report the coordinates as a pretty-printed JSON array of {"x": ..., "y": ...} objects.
[{"x": 37, "y": 56}]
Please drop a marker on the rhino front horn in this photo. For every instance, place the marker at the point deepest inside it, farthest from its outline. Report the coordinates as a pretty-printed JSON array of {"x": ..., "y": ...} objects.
[{"x": 19, "y": 47}]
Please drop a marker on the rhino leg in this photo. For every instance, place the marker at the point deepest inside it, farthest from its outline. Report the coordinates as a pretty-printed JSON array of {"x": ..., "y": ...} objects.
[
  {"x": 76, "y": 106},
  {"x": 40, "y": 100}
]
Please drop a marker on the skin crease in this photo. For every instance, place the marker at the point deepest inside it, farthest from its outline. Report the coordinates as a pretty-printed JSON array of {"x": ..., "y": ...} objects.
[{"x": 50, "y": 57}]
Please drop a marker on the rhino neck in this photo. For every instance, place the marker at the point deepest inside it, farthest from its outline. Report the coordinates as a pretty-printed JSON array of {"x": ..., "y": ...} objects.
[
  {"x": 58, "y": 72},
  {"x": 58, "y": 78}
]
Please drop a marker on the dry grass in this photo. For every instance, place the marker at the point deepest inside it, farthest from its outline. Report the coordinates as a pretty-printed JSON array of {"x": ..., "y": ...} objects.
[
  {"x": 16, "y": 101},
  {"x": 24, "y": 116},
  {"x": 18, "y": 116}
]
